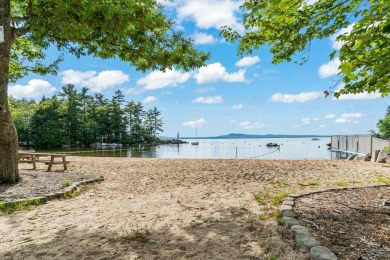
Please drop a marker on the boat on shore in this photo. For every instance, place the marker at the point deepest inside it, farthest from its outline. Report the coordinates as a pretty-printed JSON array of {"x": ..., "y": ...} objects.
[{"x": 272, "y": 145}]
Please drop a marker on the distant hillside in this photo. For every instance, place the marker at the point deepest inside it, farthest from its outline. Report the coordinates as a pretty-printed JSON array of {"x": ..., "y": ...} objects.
[{"x": 244, "y": 136}]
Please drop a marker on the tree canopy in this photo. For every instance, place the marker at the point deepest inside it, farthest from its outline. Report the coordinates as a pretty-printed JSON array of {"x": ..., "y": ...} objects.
[
  {"x": 135, "y": 31},
  {"x": 289, "y": 27}
]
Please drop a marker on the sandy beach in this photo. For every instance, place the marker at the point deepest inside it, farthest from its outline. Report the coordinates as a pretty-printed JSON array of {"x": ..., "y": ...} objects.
[{"x": 173, "y": 209}]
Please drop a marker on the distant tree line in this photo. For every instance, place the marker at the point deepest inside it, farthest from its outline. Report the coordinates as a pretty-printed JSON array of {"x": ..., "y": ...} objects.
[{"x": 77, "y": 118}]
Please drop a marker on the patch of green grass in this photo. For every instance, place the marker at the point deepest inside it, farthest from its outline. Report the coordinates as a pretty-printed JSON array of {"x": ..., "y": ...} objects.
[
  {"x": 280, "y": 184},
  {"x": 272, "y": 257},
  {"x": 308, "y": 183},
  {"x": 18, "y": 205},
  {"x": 279, "y": 218},
  {"x": 382, "y": 180},
  {"x": 263, "y": 196},
  {"x": 346, "y": 182},
  {"x": 66, "y": 183},
  {"x": 264, "y": 216},
  {"x": 278, "y": 198},
  {"x": 341, "y": 183},
  {"x": 71, "y": 194}
]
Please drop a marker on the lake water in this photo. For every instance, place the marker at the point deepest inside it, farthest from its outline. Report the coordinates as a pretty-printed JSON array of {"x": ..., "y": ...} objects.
[{"x": 290, "y": 149}]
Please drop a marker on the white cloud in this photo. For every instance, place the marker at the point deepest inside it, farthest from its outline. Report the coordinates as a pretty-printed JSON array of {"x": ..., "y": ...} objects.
[
  {"x": 338, "y": 44},
  {"x": 341, "y": 120},
  {"x": 330, "y": 116},
  {"x": 150, "y": 99},
  {"x": 354, "y": 115},
  {"x": 300, "y": 98},
  {"x": 203, "y": 38},
  {"x": 306, "y": 121},
  {"x": 251, "y": 125},
  {"x": 199, "y": 122},
  {"x": 179, "y": 28},
  {"x": 322, "y": 126},
  {"x": 160, "y": 79},
  {"x": 329, "y": 69},
  {"x": 239, "y": 106},
  {"x": 208, "y": 100},
  {"x": 92, "y": 80},
  {"x": 34, "y": 88},
  {"x": 216, "y": 72},
  {"x": 233, "y": 121},
  {"x": 211, "y": 13},
  {"x": 346, "y": 118},
  {"x": 247, "y": 61},
  {"x": 360, "y": 96}
]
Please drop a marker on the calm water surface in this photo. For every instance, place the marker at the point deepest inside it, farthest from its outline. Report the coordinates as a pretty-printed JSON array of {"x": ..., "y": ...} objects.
[{"x": 290, "y": 149}]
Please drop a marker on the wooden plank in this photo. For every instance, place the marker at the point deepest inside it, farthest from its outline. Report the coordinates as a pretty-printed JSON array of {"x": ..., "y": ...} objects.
[{"x": 57, "y": 162}]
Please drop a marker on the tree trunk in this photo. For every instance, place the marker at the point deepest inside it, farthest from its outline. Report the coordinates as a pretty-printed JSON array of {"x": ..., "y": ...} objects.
[{"x": 9, "y": 172}]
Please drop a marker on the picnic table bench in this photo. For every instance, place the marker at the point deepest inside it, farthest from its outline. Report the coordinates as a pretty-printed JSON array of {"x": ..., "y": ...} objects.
[{"x": 47, "y": 158}]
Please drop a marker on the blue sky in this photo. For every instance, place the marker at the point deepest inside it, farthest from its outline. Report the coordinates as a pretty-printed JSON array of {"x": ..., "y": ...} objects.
[{"x": 231, "y": 94}]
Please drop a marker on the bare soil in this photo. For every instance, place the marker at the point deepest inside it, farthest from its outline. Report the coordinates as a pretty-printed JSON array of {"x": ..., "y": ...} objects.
[{"x": 353, "y": 223}]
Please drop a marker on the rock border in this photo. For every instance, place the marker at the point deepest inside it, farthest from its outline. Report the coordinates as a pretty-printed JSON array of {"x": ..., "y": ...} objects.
[
  {"x": 52, "y": 196},
  {"x": 302, "y": 236}
]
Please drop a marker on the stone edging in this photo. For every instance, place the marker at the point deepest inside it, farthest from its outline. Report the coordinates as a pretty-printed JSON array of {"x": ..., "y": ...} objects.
[
  {"x": 51, "y": 196},
  {"x": 302, "y": 236}
]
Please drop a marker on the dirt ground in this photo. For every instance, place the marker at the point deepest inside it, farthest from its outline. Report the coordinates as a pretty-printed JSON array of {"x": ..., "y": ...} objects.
[{"x": 171, "y": 209}]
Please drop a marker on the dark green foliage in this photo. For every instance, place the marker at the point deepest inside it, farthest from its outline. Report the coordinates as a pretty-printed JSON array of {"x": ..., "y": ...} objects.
[
  {"x": 77, "y": 118},
  {"x": 384, "y": 125}
]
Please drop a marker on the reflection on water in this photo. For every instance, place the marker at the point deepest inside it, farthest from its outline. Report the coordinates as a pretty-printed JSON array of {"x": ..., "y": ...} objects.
[{"x": 290, "y": 148}]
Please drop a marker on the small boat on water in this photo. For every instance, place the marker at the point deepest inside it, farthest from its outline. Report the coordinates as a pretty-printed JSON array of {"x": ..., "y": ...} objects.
[
  {"x": 315, "y": 139},
  {"x": 272, "y": 145},
  {"x": 196, "y": 142}
]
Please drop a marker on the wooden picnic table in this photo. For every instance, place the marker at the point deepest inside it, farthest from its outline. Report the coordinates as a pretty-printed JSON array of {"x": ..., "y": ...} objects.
[{"x": 47, "y": 158}]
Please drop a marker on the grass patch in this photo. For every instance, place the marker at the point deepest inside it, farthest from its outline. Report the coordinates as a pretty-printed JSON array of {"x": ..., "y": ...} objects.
[
  {"x": 268, "y": 198},
  {"x": 277, "y": 199},
  {"x": 66, "y": 183},
  {"x": 343, "y": 183},
  {"x": 280, "y": 184},
  {"x": 279, "y": 218},
  {"x": 382, "y": 180},
  {"x": 263, "y": 196},
  {"x": 308, "y": 183},
  {"x": 264, "y": 216},
  {"x": 18, "y": 205}
]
